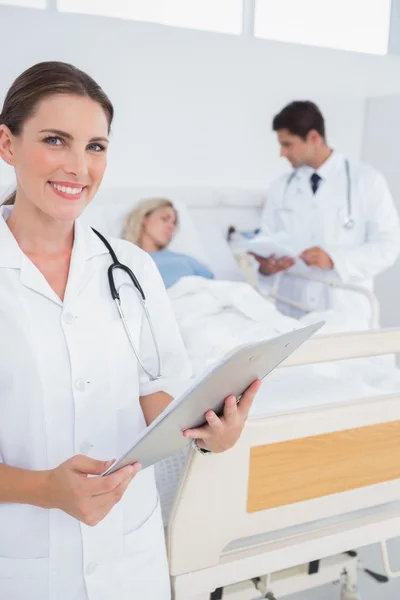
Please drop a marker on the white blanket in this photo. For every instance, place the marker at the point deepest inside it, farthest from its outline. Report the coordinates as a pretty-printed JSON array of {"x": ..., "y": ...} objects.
[{"x": 216, "y": 316}]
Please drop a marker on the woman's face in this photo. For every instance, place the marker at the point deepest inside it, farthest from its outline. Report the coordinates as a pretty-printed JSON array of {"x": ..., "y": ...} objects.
[
  {"x": 60, "y": 156},
  {"x": 160, "y": 226}
]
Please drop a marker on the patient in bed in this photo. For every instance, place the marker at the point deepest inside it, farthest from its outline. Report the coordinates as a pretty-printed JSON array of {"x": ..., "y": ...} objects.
[{"x": 152, "y": 225}]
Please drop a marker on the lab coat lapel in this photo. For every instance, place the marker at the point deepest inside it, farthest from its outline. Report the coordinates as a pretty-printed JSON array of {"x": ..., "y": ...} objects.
[
  {"x": 332, "y": 190},
  {"x": 299, "y": 192},
  {"x": 11, "y": 256},
  {"x": 33, "y": 279},
  {"x": 10, "y": 252},
  {"x": 86, "y": 246}
]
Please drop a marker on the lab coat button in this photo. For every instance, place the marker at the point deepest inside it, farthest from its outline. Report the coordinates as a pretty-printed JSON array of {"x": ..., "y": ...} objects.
[
  {"x": 68, "y": 318},
  {"x": 90, "y": 569},
  {"x": 81, "y": 385}
]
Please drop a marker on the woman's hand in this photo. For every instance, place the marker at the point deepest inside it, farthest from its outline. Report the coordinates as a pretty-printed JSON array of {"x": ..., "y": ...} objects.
[
  {"x": 88, "y": 499},
  {"x": 222, "y": 433}
]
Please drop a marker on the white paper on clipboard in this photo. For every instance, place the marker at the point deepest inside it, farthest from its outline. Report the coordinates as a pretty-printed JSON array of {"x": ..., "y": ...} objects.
[
  {"x": 266, "y": 246},
  {"x": 230, "y": 376}
]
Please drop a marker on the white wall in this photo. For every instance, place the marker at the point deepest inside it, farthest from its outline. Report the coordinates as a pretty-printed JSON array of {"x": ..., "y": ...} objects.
[
  {"x": 194, "y": 108},
  {"x": 381, "y": 149}
]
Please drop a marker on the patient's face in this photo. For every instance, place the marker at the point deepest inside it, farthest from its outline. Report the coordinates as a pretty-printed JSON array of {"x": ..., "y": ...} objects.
[{"x": 160, "y": 226}]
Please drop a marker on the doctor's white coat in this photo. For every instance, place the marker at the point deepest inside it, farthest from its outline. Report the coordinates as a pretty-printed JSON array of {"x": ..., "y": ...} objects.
[
  {"x": 70, "y": 384},
  {"x": 359, "y": 254}
]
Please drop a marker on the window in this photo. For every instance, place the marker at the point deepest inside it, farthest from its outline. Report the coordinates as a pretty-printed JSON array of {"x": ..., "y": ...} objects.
[
  {"x": 224, "y": 16},
  {"x": 26, "y": 3},
  {"x": 356, "y": 25}
]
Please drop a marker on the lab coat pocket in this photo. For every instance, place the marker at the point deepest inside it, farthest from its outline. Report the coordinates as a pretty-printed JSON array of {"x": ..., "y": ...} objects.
[
  {"x": 23, "y": 578},
  {"x": 287, "y": 219},
  {"x": 146, "y": 566}
]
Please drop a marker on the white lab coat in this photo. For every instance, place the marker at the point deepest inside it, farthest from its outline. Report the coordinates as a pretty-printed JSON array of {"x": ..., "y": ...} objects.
[
  {"x": 70, "y": 384},
  {"x": 359, "y": 254}
]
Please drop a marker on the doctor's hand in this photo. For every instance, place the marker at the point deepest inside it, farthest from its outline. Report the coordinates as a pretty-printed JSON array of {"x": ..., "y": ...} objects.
[
  {"x": 88, "y": 499},
  {"x": 272, "y": 265},
  {"x": 222, "y": 433},
  {"x": 316, "y": 257}
]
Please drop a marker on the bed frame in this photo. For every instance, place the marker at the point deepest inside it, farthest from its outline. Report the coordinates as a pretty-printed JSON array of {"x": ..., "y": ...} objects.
[{"x": 297, "y": 488}]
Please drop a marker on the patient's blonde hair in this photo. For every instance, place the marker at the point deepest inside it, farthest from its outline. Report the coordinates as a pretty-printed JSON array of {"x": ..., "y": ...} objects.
[{"x": 133, "y": 228}]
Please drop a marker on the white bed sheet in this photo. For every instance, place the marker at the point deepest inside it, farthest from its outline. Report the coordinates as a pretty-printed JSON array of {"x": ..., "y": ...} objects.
[
  {"x": 300, "y": 388},
  {"x": 216, "y": 316}
]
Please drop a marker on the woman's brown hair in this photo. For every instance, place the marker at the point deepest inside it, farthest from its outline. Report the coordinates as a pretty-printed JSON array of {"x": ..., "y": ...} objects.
[{"x": 43, "y": 80}]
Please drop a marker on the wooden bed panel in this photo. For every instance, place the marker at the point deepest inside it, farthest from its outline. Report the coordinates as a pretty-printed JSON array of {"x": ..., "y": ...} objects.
[{"x": 302, "y": 469}]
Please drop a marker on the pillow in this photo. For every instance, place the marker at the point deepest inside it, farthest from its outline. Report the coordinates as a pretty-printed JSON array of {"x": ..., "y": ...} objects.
[
  {"x": 187, "y": 239},
  {"x": 222, "y": 260}
]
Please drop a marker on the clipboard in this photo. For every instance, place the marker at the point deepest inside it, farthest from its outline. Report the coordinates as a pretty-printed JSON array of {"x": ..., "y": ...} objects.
[{"x": 232, "y": 375}]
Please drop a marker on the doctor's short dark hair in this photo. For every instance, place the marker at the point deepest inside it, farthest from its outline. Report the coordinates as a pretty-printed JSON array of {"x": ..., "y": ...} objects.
[{"x": 299, "y": 118}]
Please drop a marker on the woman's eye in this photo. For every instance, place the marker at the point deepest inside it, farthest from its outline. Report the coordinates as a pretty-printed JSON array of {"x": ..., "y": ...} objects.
[
  {"x": 96, "y": 147},
  {"x": 53, "y": 140}
]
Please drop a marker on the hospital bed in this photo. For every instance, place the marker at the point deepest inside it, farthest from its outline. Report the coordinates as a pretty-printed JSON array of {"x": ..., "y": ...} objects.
[{"x": 283, "y": 510}]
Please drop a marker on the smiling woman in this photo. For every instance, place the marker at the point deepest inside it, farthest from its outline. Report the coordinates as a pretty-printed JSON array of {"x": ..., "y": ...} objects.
[
  {"x": 49, "y": 94},
  {"x": 72, "y": 395}
]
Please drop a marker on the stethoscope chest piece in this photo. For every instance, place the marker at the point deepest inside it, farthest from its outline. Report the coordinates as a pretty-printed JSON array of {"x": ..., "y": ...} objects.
[
  {"x": 348, "y": 224},
  {"x": 115, "y": 294}
]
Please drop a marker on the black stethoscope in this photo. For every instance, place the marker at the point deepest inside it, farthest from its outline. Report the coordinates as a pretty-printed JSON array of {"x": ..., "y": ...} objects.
[
  {"x": 348, "y": 222},
  {"x": 114, "y": 290}
]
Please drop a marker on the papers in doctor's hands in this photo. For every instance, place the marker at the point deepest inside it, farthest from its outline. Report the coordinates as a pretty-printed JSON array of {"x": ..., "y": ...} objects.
[
  {"x": 278, "y": 245},
  {"x": 266, "y": 246}
]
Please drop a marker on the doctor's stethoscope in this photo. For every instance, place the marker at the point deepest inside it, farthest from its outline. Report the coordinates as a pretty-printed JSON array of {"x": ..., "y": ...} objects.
[
  {"x": 348, "y": 222},
  {"x": 114, "y": 290}
]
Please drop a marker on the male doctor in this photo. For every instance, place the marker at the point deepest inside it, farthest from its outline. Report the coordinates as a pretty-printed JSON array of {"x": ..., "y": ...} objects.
[{"x": 337, "y": 214}]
